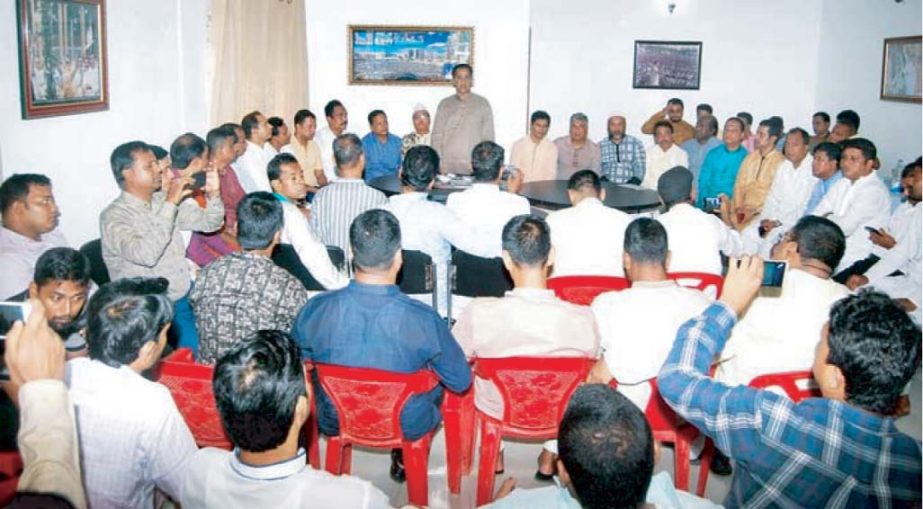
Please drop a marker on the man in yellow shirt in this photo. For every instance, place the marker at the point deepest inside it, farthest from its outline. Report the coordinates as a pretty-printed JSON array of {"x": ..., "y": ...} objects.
[
  {"x": 672, "y": 112},
  {"x": 756, "y": 174},
  {"x": 305, "y": 149},
  {"x": 534, "y": 155}
]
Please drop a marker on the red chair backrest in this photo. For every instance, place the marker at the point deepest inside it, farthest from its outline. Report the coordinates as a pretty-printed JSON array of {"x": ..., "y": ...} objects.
[
  {"x": 583, "y": 289},
  {"x": 798, "y": 385},
  {"x": 701, "y": 281},
  {"x": 535, "y": 390},
  {"x": 658, "y": 413},
  {"x": 191, "y": 387},
  {"x": 369, "y": 401}
]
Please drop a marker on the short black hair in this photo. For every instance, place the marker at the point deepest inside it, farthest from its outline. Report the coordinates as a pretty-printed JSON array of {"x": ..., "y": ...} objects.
[
  {"x": 257, "y": 384},
  {"x": 16, "y": 188},
  {"x": 585, "y": 181},
  {"x": 301, "y": 115},
  {"x": 375, "y": 113},
  {"x": 347, "y": 149},
  {"x": 822, "y": 114},
  {"x": 663, "y": 123},
  {"x": 250, "y": 122},
  {"x": 259, "y": 217},
  {"x": 540, "y": 115},
  {"x": 739, "y": 121},
  {"x": 234, "y": 127},
  {"x": 646, "y": 241},
  {"x": 124, "y": 156},
  {"x": 820, "y": 239},
  {"x": 849, "y": 118},
  {"x": 158, "y": 151},
  {"x": 332, "y": 105},
  {"x": 774, "y": 127},
  {"x": 276, "y": 123},
  {"x": 375, "y": 236},
  {"x": 61, "y": 264},
  {"x": 420, "y": 166},
  {"x": 486, "y": 160},
  {"x": 909, "y": 169},
  {"x": 607, "y": 448},
  {"x": 527, "y": 239},
  {"x": 459, "y": 67},
  {"x": 866, "y": 146},
  {"x": 705, "y": 107},
  {"x": 745, "y": 116},
  {"x": 797, "y": 131},
  {"x": 877, "y": 347},
  {"x": 833, "y": 150},
  {"x": 185, "y": 148},
  {"x": 125, "y": 314},
  {"x": 219, "y": 136},
  {"x": 676, "y": 100},
  {"x": 274, "y": 167}
]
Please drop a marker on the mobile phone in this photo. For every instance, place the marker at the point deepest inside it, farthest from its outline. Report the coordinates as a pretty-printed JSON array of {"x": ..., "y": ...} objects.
[
  {"x": 872, "y": 230},
  {"x": 10, "y": 312},
  {"x": 712, "y": 203},
  {"x": 773, "y": 273},
  {"x": 198, "y": 180}
]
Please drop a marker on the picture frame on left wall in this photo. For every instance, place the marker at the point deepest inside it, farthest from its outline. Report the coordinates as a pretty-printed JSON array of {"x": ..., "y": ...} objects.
[{"x": 62, "y": 57}]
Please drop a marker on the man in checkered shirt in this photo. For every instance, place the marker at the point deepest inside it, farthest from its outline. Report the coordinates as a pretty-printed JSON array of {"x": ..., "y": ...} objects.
[{"x": 841, "y": 450}]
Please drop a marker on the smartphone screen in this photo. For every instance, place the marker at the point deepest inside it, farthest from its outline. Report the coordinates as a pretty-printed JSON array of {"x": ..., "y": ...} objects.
[
  {"x": 773, "y": 273},
  {"x": 712, "y": 203},
  {"x": 9, "y": 313},
  {"x": 198, "y": 180}
]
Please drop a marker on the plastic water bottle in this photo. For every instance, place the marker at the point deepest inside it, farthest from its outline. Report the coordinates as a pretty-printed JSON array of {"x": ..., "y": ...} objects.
[{"x": 895, "y": 184}]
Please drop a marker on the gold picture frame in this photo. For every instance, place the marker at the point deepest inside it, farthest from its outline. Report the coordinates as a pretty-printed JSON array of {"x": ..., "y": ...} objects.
[{"x": 407, "y": 54}]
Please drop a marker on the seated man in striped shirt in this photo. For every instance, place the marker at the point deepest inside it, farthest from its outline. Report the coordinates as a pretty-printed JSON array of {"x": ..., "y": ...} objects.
[{"x": 841, "y": 450}]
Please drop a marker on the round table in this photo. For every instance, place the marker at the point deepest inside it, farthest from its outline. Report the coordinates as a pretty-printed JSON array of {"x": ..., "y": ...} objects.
[
  {"x": 552, "y": 194},
  {"x": 391, "y": 185}
]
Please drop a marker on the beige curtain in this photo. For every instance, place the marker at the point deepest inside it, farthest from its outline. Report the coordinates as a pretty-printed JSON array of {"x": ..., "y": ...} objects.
[{"x": 260, "y": 58}]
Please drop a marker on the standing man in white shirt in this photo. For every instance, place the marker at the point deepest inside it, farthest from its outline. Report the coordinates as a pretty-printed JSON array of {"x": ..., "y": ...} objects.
[
  {"x": 337, "y": 121},
  {"x": 251, "y": 166},
  {"x": 534, "y": 155},
  {"x": 587, "y": 237},
  {"x": 484, "y": 207},
  {"x": 857, "y": 201},
  {"x": 697, "y": 238},
  {"x": 653, "y": 308},
  {"x": 662, "y": 155},
  {"x": 791, "y": 189}
]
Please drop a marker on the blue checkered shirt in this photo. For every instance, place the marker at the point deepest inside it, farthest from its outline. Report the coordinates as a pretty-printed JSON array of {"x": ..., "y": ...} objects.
[
  {"x": 619, "y": 162},
  {"x": 817, "y": 453}
]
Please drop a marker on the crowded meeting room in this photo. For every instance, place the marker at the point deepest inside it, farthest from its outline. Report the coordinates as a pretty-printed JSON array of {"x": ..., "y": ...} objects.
[{"x": 599, "y": 254}]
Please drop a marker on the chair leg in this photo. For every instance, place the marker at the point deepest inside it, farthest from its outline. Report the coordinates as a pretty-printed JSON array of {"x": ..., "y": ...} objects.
[
  {"x": 334, "y": 455},
  {"x": 458, "y": 418},
  {"x": 416, "y": 463},
  {"x": 490, "y": 449},
  {"x": 681, "y": 463},
  {"x": 346, "y": 464},
  {"x": 704, "y": 467}
]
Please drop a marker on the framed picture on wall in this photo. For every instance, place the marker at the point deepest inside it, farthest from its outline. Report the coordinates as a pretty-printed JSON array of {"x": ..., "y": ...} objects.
[
  {"x": 901, "y": 78},
  {"x": 62, "y": 57},
  {"x": 667, "y": 65},
  {"x": 407, "y": 55}
]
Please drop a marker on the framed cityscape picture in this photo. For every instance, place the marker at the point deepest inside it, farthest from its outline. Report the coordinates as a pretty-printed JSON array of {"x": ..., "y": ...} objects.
[
  {"x": 62, "y": 57},
  {"x": 667, "y": 65},
  {"x": 901, "y": 78},
  {"x": 407, "y": 55}
]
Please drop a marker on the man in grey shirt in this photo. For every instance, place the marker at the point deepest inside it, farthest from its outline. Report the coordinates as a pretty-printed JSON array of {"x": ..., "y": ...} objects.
[{"x": 462, "y": 121}]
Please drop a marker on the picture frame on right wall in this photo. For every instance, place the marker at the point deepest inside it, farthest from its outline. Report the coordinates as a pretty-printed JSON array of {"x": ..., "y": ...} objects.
[
  {"x": 901, "y": 77},
  {"x": 667, "y": 65}
]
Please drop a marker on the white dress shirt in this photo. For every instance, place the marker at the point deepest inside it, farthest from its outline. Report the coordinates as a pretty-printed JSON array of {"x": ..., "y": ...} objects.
[
  {"x": 132, "y": 437},
  {"x": 790, "y": 191},
  {"x": 218, "y": 478},
  {"x": 779, "y": 333},
  {"x": 251, "y": 169},
  {"x": 325, "y": 138},
  {"x": 696, "y": 240},
  {"x": 588, "y": 239},
  {"x": 311, "y": 251},
  {"x": 905, "y": 226},
  {"x": 853, "y": 206},
  {"x": 18, "y": 255},
  {"x": 637, "y": 329},
  {"x": 486, "y": 209},
  {"x": 658, "y": 162}
]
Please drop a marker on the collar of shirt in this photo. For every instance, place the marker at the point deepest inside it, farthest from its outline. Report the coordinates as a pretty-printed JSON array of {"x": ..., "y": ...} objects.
[
  {"x": 345, "y": 180},
  {"x": 725, "y": 148},
  {"x": 833, "y": 179},
  {"x": 254, "y": 146},
  {"x": 666, "y": 283},
  {"x": 532, "y": 293},
  {"x": 133, "y": 201},
  {"x": 357, "y": 287},
  {"x": 13, "y": 238},
  {"x": 272, "y": 472},
  {"x": 281, "y": 198},
  {"x": 415, "y": 196},
  {"x": 590, "y": 202},
  {"x": 484, "y": 187}
]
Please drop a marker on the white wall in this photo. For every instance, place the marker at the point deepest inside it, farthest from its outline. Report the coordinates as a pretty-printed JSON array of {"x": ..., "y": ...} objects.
[
  {"x": 157, "y": 90},
  {"x": 756, "y": 56},
  {"x": 851, "y": 42},
  {"x": 500, "y": 60}
]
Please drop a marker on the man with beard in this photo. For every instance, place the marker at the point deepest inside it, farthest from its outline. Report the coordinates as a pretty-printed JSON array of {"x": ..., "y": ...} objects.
[
  {"x": 672, "y": 112},
  {"x": 622, "y": 156}
]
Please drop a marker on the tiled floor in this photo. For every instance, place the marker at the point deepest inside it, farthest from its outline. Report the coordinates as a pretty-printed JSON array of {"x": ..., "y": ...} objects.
[{"x": 521, "y": 464}]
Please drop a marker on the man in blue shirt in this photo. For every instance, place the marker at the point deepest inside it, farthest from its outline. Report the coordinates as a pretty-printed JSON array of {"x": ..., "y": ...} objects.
[
  {"x": 826, "y": 168},
  {"x": 706, "y": 131},
  {"x": 382, "y": 149},
  {"x": 841, "y": 450},
  {"x": 371, "y": 324},
  {"x": 719, "y": 170}
]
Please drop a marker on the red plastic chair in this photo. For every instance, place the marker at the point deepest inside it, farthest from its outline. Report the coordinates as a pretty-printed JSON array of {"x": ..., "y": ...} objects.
[
  {"x": 798, "y": 385},
  {"x": 368, "y": 404},
  {"x": 191, "y": 387},
  {"x": 583, "y": 289},
  {"x": 10, "y": 470},
  {"x": 458, "y": 418},
  {"x": 699, "y": 280},
  {"x": 535, "y": 392}
]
